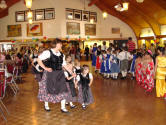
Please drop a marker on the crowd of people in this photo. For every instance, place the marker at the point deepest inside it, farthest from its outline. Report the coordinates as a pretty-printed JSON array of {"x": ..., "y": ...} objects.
[{"x": 142, "y": 64}]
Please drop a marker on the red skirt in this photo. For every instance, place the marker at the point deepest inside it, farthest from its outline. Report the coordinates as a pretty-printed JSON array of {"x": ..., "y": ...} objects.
[{"x": 98, "y": 63}]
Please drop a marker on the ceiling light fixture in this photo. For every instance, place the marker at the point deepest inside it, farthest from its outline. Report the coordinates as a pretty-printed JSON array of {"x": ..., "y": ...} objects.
[
  {"x": 3, "y": 4},
  {"x": 140, "y": 1}
]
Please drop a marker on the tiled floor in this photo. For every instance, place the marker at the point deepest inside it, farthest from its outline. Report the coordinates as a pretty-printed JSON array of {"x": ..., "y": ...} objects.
[{"x": 119, "y": 102}]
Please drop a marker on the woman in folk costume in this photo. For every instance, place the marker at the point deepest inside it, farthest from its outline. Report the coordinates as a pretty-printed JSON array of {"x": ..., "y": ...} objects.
[
  {"x": 148, "y": 71},
  {"x": 108, "y": 64},
  {"x": 94, "y": 50},
  {"x": 84, "y": 82},
  {"x": 115, "y": 69},
  {"x": 103, "y": 63},
  {"x": 138, "y": 68},
  {"x": 132, "y": 67},
  {"x": 124, "y": 58},
  {"x": 98, "y": 60},
  {"x": 70, "y": 82},
  {"x": 52, "y": 87},
  {"x": 160, "y": 70}
]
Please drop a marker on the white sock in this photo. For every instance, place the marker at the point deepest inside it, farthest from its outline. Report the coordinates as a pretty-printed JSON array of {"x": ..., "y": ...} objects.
[
  {"x": 63, "y": 104},
  {"x": 46, "y": 105},
  {"x": 71, "y": 103}
]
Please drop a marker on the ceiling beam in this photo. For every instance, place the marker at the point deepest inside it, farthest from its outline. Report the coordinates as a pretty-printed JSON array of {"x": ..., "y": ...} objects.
[
  {"x": 136, "y": 29},
  {"x": 92, "y": 2},
  {"x": 161, "y": 3}
]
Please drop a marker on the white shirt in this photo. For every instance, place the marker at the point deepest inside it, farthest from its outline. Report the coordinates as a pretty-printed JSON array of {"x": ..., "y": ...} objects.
[
  {"x": 46, "y": 54},
  {"x": 124, "y": 55},
  {"x": 104, "y": 47},
  {"x": 78, "y": 77}
]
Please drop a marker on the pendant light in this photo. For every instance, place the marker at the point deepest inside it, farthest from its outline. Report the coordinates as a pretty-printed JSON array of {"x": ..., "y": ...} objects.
[
  {"x": 140, "y": 1},
  {"x": 105, "y": 14},
  {"x": 3, "y": 4},
  {"x": 29, "y": 14},
  {"x": 125, "y": 5},
  {"x": 30, "y": 21},
  {"x": 28, "y": 3}
]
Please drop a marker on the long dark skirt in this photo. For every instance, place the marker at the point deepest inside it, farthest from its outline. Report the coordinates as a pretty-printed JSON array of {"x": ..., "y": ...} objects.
[
  {"x": 43, "y": 94},
  {"x": 70, "y": 98},
  {"x": 80, "y": 96}
]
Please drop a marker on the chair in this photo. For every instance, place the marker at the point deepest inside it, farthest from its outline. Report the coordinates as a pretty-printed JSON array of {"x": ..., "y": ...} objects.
[
  {"x": 9, "y": 73},
  {"x": 18, "y": 70},
  {"x": 3, "y": 108}
]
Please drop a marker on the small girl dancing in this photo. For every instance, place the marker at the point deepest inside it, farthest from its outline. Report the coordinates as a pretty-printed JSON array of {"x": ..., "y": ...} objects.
[
  {"x": 84, "y": 81},
  {"x": 70, "y": 82}
]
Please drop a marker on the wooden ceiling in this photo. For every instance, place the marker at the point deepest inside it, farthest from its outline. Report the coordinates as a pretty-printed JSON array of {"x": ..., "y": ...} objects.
[{"x": 149, "y": 14}]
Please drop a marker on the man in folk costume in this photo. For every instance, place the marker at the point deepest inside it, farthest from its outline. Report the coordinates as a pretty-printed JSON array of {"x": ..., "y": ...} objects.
[{"x": 52, "y": 87}]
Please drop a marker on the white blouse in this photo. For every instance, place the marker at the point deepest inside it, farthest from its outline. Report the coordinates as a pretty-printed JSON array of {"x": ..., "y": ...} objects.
[
  {"x": 78, "y": 77},
  {"x": 46, "y": 54}
]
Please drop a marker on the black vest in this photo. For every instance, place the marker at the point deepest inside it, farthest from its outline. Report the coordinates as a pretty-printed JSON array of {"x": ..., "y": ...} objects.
[
  {"x": 84, "y": 80},
  {"x": 55, "y": 62},
  {"x": 78, "y": 71}
]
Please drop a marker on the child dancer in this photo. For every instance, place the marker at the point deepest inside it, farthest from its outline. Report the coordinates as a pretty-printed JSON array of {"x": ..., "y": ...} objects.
[
  {"x": 115, "y": 69},
  {"x": 124, "y": 57},
  {"x": 84, "y": 81},
  {"x": 132, "y": 67},
  {"x": 160, "y": 69},
  {"x": 103, "y": 64},
  {"x": 98, "y": 61},
  {"x": 108, "y": 64},
  {"x": 138, "y": 68},
  {"x": 148, "y": 71},
  {"x": 77, "y": 67},
  {"x": 70, "y": 82}
]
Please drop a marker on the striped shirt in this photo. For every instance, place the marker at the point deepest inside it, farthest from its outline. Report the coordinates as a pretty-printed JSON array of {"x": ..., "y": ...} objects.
[{"x": 131, "y": 46}]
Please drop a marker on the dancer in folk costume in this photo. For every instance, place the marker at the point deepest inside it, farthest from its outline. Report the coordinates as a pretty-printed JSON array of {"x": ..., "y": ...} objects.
[
  {"x": 115, "y": 69},
  {"x": 138, "y": 68},
  {"x": 148, "y": 71},
  {"x": 124, "y": 58},
  {"x": 132, "y": 67},
  {"x": 77, "y": 67},
  {"x": 103, "y": 64},
  {"x": 160, "y": 70},
  {"x": 108, "y": 64},
  {"x": 84, "y": 81},
  {"x": 94, "y": 55},
  {"x": 52, "y": 87},
  {"x": 98, "y": 60},
  {"x": 70, "y": 82}
]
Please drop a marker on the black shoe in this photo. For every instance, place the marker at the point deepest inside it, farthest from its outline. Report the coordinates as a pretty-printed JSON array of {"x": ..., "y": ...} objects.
[
  {"x": 67, "y": 104},
  {"x": 73, "y": 106},
  {"x": 122, "y": 78},
  {"x": 48, "y": 110},
  {"x": 64, "y": 111}
]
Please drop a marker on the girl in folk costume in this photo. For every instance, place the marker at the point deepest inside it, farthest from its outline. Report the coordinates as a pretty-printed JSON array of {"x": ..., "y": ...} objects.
[
  {"x": 124, "y": 57},
  {"x": 108, "y": 64},
  {"x": 103, "y": 64},
  {"x": 160, "y": 70},
  {"x": 98, "y": 60},
  {"x": 70, "y": 82},
  {"x": 148, "y": 71},
  {"x": 138, "y": 68},
  {"x": 84, "y": 81},
  {"x": 94, "y": 50},
  {"x": 52, "y": 87},
  {"x": 132, "y": 67},
  {"x": 115, "y": 69}
]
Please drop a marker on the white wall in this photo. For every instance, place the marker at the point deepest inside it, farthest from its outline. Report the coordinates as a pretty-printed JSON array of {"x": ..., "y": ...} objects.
[
  {"x": 145, "y": 32},
  {"x": 57, "y": 27}
]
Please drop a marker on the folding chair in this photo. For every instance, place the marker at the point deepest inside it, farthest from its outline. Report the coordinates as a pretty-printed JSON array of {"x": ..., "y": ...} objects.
[
  {"x": 9, "y": 73},
  {"x": 3, "y": 108}
]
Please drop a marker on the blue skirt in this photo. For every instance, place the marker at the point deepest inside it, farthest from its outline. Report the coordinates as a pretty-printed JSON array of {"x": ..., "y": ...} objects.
[
  {"x": 132, "y": 67},
  {"x": 102, "y": 69},
  {"x": 93, "y": 60},
  {"x": 108, "y": 70},
  {"x": 115, "y": 68}
]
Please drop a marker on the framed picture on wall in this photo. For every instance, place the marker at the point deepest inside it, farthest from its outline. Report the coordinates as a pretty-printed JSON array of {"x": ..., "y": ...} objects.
[
  {"x": 14, "y": 30},
  {"x": 93, "y": 15},
  {"x": 35, "y": 29},
  {"x": 49, "y": 13},
  {"x": 85, "y": 15},
  {"x": 90, "y": 29},
  {"x": 20, "y": 16},
  {"x": 78, "y": 15},
  {"x": 73, "y": 28},
  {"x": 116, "y": 30},
  {"x": 33, "y": 15},
  {"x": 69, "y": 14},
  {"x": 39, "y": 14}
]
